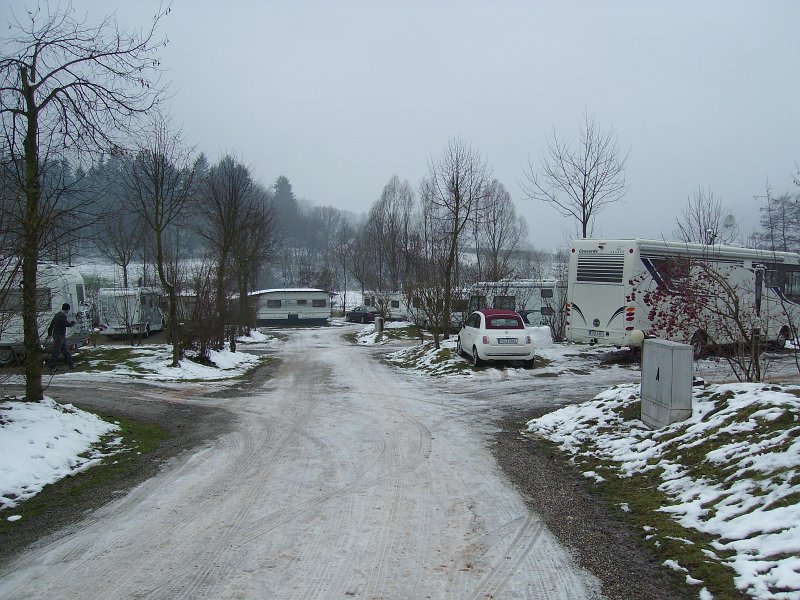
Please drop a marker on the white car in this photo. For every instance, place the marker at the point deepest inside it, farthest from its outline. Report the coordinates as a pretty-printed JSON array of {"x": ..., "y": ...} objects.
[{"x": 498, "y": 335}]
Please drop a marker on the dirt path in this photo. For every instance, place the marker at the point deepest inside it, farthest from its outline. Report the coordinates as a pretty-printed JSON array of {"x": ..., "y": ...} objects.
[{"x": 337, "y": 479}]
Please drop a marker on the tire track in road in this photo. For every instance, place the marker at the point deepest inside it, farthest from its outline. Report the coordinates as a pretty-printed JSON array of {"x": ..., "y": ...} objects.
[
  {"x": 218, "y": 563},
  {"x": 527, "y": 537}
]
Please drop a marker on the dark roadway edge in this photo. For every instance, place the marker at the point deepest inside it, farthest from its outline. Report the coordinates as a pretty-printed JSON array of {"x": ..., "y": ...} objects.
[{"x": 596, "y": 533}]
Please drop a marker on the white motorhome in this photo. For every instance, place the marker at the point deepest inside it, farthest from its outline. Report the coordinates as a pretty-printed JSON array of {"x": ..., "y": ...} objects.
[
  {"x": 611, "y": 285},
  {"x": 129, "y": 311},
  {"x": 393, "y": 304},
  {"x": 55, "y": 285},
  {"x": 292, "y": 306},
  {"x": 536, "y": 299}
]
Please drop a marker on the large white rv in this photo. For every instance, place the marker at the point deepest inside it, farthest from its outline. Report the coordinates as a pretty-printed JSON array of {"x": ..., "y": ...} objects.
[
  {"x": 612, "y": 287},
  {"x": 292, "y": 306},
  {"x": 129, "y": 311},
  {"x": 55, "y": 285}
]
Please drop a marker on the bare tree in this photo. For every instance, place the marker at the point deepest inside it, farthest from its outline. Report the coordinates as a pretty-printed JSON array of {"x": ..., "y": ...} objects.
[
  {"x": 780, "y": 222},
  {"x": 252, "y": 248},
  {"x": 343, "y": 250},
  {"x": 451, "y": 196},
  {"x": 581, "y": 179},
  {"x": 701, "y": 220},
  {"x": 66, "y": 88},
  {"x": 160, "y": 182},
  {"x": 228, "y": 197},
  {"x": 499, "y": 233},
  {"x": 120, "y": 241},
  {"x": 389, "y": 224}
]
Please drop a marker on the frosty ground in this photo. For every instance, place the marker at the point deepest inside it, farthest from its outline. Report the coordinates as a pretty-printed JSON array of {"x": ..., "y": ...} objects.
[{"x": 342, "y": 477}]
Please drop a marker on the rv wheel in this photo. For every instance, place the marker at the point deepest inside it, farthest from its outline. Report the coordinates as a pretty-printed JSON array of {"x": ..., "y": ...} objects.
[
  {"x": 699, "y": 345},
  {"x": 780, "y": 341},
  {"x": 7, "y": 357}
]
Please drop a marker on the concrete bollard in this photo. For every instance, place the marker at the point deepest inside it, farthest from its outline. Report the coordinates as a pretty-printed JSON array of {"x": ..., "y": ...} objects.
[{"x": 378, "y": 324}]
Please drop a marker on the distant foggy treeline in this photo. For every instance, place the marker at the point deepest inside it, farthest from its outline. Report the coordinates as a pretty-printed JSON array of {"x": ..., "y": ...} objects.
[{"x": 96, "y": 215}]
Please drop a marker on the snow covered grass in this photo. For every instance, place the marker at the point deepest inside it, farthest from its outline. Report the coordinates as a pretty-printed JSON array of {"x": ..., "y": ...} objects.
[
  {"x": 152, "y": 362},
  {"x": 426, "y": 358},
  {"x": 42, "y": 442},
  {"x": 717, "y": 495},
  {"x": 393, "y": 331}
]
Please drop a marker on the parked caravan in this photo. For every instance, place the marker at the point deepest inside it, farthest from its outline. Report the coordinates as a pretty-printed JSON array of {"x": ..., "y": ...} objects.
[
  {"x": 129, "y": 311},
  {"x": 610, "y": 281},
  {"x": 537, "y": 300},
  {"x": 392, "y": 304},
  {"x": 55, "y": 285},
  {"x": 292, "y": 306}
]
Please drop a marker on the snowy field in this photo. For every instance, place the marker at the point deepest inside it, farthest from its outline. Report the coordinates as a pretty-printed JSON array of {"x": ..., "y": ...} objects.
[{"x": 742, "y": 489}]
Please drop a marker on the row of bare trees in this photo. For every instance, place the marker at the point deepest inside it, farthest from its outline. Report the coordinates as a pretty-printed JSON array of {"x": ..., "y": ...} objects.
[{"x": 72, "y": 93}]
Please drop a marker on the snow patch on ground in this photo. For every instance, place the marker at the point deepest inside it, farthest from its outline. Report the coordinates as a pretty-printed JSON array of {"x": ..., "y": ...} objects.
[
  {"x": 42, "y": 442},
  {"x": 751, "y": 509}
]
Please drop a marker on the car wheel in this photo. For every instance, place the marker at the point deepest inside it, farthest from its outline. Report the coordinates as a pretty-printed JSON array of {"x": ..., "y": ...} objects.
[
  {"x": 7, "y": 357},
  {"x": 528, "y": 364},
  {"x": 476, "y": 360}
]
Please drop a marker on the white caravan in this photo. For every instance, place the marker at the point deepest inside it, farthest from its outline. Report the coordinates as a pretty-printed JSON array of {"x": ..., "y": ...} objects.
[
  {"x": 292, "y": 306},
  {"x": 537, "y": 300},
  {"x": 393, "y": 304},
  {"x": 609, "y": 281},
  {"x": 129, "y": 311},
  {"x": 55, "y": 285}
]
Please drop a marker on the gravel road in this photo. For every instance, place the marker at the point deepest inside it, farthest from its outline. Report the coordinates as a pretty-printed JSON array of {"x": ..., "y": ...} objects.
[{"x": 332, "y": 477}]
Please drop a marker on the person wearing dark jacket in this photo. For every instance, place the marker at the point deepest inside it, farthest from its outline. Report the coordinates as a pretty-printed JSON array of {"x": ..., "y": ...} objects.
[{"x": 58, "y": 331}]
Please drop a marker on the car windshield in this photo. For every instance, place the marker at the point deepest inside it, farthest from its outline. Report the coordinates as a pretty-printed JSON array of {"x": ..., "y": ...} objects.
[{"x": 504, "y": 322}]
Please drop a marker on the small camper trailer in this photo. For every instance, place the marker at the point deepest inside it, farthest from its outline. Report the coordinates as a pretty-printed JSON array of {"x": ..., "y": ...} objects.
[
  {"x": 129, "y": 311},
  {"x": 292, "y": 306},
  {"x": 55, "y": 285}
]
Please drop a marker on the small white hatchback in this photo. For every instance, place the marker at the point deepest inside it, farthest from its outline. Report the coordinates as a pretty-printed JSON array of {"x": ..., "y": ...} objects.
[{"x": 496, "y": 335}]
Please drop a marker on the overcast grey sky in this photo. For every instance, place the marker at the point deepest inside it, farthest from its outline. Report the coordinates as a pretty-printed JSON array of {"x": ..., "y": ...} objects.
[{"x": 339, "y": 96}]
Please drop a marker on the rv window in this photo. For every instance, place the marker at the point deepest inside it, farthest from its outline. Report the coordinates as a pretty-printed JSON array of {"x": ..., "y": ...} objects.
[
  {"x": 786, "y": 278},
  {"x": 273, "y": 303},
  {"x": 318, "y": 303},
  {"x": 12, "y": 303},
  {"x": 504, "y": 302},
  {"x": 302, "y": 302},
  {"x": 547, "y": 292},
  {"x": 547, "y": 311},
  {"x": 459, "y": 305},
  {"x": 395, "y": 303},
  {"x": 477, "y": 302},
  {"x": 672, "y": 269},
  {"x": 81, "y": 293}
]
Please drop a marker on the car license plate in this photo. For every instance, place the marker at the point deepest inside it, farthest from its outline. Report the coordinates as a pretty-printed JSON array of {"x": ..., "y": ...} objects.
[
  {"x": 597, "y": 332},
  {"x": 506, "y": 340}
]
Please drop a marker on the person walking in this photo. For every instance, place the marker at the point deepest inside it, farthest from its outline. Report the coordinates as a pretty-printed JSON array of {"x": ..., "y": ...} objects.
[{"x": 58, "y": 331}]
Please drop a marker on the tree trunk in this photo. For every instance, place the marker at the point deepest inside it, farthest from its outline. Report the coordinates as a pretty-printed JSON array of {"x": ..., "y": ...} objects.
[{"x": 30, "y": 254}]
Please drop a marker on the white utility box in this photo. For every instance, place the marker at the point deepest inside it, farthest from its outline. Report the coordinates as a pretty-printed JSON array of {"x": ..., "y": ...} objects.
[{"x": 666, "y": 383}]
